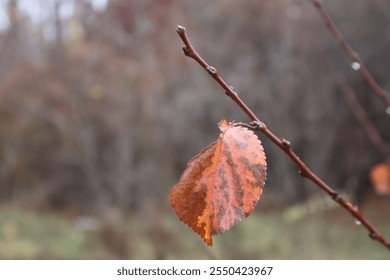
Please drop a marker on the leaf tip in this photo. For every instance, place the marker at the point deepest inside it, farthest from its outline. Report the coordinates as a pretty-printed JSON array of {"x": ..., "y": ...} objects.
[
  {"x": 209, "y": 242},
  {"x": 224, "y": 125}
]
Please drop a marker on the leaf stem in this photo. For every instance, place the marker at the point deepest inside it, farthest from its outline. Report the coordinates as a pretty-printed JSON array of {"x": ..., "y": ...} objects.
[{"x": 283, "y": 144}]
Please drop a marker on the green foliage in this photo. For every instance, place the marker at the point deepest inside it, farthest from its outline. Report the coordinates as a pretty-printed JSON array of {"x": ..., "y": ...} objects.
[
  {"x": 25, "y": 235},
  {"x": 320, "y": 232}
]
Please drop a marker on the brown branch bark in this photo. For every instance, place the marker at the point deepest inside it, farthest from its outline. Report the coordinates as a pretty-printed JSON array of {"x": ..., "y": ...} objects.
[
  {"x": 352, "y": 54},
  {"x": 361, "y": 116},
  {"x": 283, "y": 144}
]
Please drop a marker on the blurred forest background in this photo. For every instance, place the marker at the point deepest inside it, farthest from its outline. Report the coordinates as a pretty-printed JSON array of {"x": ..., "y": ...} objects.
[{"x": 100, "y": 112}]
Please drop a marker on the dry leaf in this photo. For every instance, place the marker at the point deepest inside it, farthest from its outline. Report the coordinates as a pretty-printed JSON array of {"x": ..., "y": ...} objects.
[
  {"x": 380, "y": 178},
  {"x": 222, "y": 184}
]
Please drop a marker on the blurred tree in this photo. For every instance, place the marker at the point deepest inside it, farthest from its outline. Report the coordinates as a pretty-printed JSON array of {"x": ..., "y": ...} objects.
[{"x": 107, "y": 112}]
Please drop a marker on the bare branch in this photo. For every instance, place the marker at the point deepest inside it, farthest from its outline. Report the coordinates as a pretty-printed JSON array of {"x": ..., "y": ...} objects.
[
  {"x": 283, "y": 144},
  {"x": 357, "y": 62},
  {"x": 363, "y": 119}
]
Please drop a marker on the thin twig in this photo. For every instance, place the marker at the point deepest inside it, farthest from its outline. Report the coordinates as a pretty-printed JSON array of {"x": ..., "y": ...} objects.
[
  {"x": 352, "y": 54},
  {"x": 363, "y": 119},
  {"x": 283, "y": 144}
]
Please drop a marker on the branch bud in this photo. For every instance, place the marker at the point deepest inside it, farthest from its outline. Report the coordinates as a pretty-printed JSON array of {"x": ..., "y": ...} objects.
[
  {"x": 335, "y": 196},
  {"x": 211, "y": 70},
  {"x": 303, "y": 173},
  {"x": 180, "y": 28},
  {"x": 186, "y": 51},
  {"x": 286, "y": 144},
  {"x": 373, "y": 235}
]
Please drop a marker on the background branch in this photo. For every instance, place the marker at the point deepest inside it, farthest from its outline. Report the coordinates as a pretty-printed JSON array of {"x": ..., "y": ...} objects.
[
  {"x": 283, "y": 144},
  {"x": 363, "y": 119},
  {"x": 358, "y": 63}
]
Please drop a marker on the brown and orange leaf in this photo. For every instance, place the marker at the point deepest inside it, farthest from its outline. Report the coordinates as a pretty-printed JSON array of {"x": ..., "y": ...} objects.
[
  {"x": 222, "y": 184},
  {"x": 380, "y": 178}
]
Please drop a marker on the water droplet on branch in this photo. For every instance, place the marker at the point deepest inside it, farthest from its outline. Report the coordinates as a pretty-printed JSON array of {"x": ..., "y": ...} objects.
[
  {"x": 355, "y": 66},
  {"x": 357, "y": 222}
]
